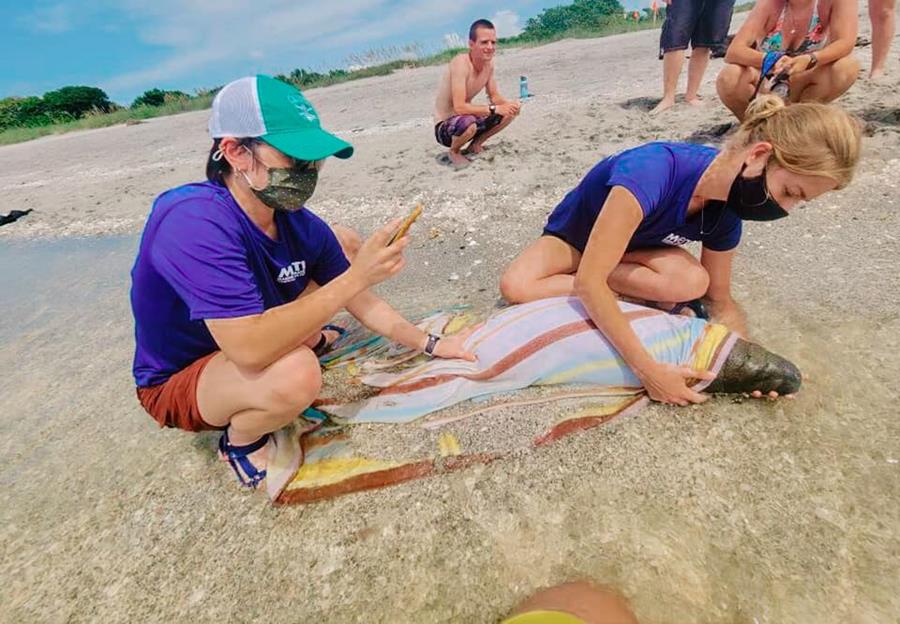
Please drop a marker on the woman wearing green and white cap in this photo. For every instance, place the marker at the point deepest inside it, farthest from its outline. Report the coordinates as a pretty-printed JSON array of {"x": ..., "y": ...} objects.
[{"x": 235, "y": 279}]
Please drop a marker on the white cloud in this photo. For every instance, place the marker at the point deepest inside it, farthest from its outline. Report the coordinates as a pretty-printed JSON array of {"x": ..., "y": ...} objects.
[
  {"x": 507, "y": 22},
  {"x": 53, "y": 19},
  {"x": 200, "y": 34}
]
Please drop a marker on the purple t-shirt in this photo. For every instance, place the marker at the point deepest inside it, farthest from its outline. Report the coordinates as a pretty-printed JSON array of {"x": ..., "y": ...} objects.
[
  {"x": 662, "y": 177},
  {"x": 201, "y": 257}
]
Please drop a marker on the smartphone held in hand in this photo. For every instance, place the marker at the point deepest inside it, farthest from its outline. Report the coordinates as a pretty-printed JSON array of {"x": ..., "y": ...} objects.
[{"x": 407, "y": 222}]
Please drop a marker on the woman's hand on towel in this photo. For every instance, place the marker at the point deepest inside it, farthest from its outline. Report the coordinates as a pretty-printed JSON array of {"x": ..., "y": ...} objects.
[
  {"x": 453, "y": 347},
  {"x": 667, "y": 383}
]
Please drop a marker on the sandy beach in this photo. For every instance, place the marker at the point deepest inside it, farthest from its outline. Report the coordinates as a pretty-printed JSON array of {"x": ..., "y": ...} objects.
[{"x": 734, "y": 511}]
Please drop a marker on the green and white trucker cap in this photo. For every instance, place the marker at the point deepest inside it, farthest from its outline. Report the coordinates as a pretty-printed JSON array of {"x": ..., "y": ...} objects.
[{"x": 277, "y": 113}]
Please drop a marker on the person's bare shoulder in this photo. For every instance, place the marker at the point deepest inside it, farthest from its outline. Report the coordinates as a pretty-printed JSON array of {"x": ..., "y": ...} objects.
[
  {"x": 460, "y": 67},
  {"x": 762, "y": 18},
  {"x": 461, "y": 62}
]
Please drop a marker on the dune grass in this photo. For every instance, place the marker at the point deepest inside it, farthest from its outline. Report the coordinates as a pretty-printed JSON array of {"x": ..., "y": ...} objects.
[{"x": 102, "y": 120}]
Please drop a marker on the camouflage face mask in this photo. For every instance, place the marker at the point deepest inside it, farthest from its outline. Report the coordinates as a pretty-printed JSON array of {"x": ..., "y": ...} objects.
[{"x": 289, "y": 188}]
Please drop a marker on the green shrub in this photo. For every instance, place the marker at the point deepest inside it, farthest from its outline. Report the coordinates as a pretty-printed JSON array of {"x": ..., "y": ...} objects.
[
  {"x": 581, "y": 14},
  {"x": 75, "y": 101},
  {"x": 158, "y": 97}
]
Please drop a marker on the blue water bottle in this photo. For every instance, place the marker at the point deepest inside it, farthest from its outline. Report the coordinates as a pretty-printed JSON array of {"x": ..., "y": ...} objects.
[{"x": 523, "y": 88}]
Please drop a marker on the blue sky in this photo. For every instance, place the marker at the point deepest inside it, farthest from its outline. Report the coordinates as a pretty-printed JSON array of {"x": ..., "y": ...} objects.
[{"x": 128, "y": 46}]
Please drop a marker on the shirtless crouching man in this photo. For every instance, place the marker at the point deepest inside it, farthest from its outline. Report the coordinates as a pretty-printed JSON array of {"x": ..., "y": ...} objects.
[{"x": 459, "y": 122}]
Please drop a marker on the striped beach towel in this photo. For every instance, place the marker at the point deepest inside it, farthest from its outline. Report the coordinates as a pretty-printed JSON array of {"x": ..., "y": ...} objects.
[{"x": 550, "y": 347}]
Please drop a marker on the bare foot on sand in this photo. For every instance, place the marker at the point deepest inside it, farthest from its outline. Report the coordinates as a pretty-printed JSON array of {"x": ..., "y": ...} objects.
[
  {"x": 696, "y": 101},
  {"x": 664, "y": 105},
  {"x": 476, "y": 149},
  {"x": 876, "y": 75},
  {"x": 458, "y": 161}
]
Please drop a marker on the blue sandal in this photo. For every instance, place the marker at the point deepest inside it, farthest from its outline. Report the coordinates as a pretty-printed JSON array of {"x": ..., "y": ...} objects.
[
  {"x": 695, "y": 305},
  {"x": 248, "y": 475},
  {"x": 323, "y": 346}
]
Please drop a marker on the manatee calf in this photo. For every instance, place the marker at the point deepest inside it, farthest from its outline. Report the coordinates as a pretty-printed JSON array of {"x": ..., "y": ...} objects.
[{"x": 554, "y": 342}]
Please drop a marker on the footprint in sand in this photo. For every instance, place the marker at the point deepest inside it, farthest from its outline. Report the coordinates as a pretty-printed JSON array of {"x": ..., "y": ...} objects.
[
  {"x": 444, "y": 159},
  {"x": 881, "y": 117},
  {"x": 710, "y": 134},
  {"x": 645, "y": 104}
]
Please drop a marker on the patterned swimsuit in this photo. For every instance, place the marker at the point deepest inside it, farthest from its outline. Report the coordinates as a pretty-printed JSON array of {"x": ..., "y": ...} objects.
[{"x": 815, "y": 36}]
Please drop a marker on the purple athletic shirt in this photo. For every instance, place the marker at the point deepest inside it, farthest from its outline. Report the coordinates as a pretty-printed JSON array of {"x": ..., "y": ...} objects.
[
  {"x": 662, "y": 177},
  {"x": 201, "y": 257}
]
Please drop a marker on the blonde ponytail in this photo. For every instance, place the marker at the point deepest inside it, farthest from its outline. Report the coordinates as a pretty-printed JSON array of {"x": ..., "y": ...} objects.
[
  {"x": 807, "y": 138},
  {"x": 762, "y": 108}
]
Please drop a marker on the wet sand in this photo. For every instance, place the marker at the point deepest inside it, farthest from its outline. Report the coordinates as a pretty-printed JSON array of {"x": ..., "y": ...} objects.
[{"x": 748, "y": 511}]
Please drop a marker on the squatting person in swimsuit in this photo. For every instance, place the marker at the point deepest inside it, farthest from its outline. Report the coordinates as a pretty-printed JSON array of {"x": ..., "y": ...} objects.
[
  {"x": 816, "y": 38},
  {"x": 458, "y": 122},
  {"x": 620, "y": 231},
  {"x": 235, "y": 279}
]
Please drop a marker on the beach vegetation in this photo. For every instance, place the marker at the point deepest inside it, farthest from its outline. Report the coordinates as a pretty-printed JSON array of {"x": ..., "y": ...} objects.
[
  {"x": 158, "y": 97},
  {"x": 97, "y": 118},
  {"x": 76, "y": 101},
  {"x": 580, "y": 15},
  {"x": 54, "y": 108},
  {"x": 80, "y": 107}
]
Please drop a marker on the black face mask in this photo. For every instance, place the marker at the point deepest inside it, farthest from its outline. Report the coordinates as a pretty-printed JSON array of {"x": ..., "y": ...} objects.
[{"x": 749, "y": 199}]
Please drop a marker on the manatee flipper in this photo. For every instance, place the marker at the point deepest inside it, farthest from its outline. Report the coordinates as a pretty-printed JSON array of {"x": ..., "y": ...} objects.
[{"x": 751, "y": 367}]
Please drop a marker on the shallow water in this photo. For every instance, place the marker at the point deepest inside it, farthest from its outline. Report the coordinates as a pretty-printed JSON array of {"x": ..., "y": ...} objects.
[
  {"x": 38, "y": 278},
  {"x": 748, "y": 511}
]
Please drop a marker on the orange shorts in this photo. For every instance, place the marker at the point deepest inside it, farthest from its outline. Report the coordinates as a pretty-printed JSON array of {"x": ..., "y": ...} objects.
[{"x": 173, "y": 403}]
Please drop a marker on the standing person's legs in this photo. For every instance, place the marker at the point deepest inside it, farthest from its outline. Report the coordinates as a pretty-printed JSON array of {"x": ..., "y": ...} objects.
[
  {"x": 681, "y": 18},
  {"x": 881, "y": 13},
  {"x": 710, "y": 31},
  {"x": 696, "y": 69},
  {"x": 672, "y": 64}
]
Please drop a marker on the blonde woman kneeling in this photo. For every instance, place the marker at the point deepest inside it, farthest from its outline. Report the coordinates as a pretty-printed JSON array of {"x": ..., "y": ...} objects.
[{"x": 620, "y": 231}]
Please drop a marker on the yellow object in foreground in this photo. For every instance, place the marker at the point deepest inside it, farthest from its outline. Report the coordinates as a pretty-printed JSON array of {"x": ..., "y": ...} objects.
[
  {"x": 448, "y": 445},
  {"x": 543, "y": 617}
]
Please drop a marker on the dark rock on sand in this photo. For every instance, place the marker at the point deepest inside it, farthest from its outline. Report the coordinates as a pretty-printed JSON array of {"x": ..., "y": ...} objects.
[{"x": 14, "y": 215}]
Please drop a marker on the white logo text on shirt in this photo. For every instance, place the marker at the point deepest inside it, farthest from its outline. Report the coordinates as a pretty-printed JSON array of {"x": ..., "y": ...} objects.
[
  {"x": 675, "y": 239},
  {"x": 291, "y": 272}
]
